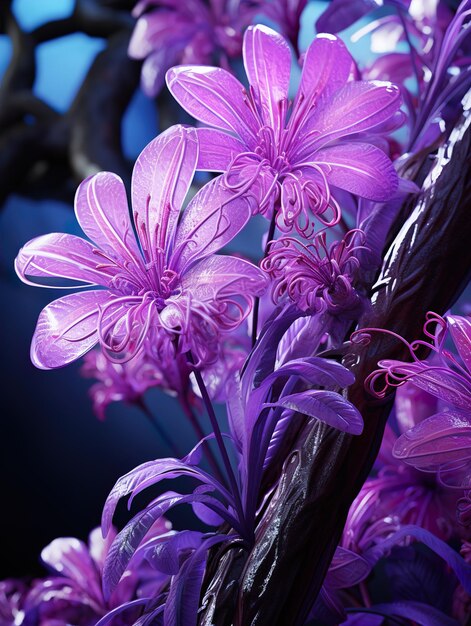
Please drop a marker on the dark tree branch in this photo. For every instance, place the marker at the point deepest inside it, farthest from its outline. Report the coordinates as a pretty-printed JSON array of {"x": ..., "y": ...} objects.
[{"x": 425, "y": 268}]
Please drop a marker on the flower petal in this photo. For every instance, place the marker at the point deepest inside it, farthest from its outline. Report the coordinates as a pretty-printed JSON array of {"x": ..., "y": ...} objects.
[
  {"x": 156, "y": 30},
  {"x": 356, "y": 107},
  {"x": 59, "y": 255},
  {"x": 211, "y": 220},
  {"x": 67, "y": 328},
  {"x": 154, "y": 69},
  {"x": 220, "y": 277},
  {"x": 460, "y": 328},
  {"x": 214, "y": 96},
  {"x": 217, "y": 150},
  {"x": 438, "y": 440},
  {"x": 359, "y": 168},
  {"x": 71, "y": 558},
  {"x": 101, "y": 207},
  {"x": 326, "y": 68},
  {"x": 160, "y": 181},
  {"x": 267, "y": 61}
]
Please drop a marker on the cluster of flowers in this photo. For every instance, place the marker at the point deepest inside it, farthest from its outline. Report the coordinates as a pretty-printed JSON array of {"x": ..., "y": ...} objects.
[{"x": 165, "y": 310}]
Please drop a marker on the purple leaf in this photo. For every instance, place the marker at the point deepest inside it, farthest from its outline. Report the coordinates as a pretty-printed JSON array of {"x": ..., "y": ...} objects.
[
  {"x": 181, "y": 607},
  {"x": 347, "y": 569},
  {"x": 443, "y": 550},
  {"x": 165, "y": 557},
  {"x": 160, "y": 181},
  {"x": 267, "y": 61},
  {"x": 326, "y": 406},
  {"x": 422, "y": 614},
  {"x": 149, "y": 474},
  {"x": 341, "y": 14},
  {"x": 121, "y": 609},
  {"x": 128, "y": 540},
  {"x": 203, "y": 92}
]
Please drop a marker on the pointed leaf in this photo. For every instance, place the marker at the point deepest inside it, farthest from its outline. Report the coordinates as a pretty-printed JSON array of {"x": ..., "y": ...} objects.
[{"x": 326, "y": 406}]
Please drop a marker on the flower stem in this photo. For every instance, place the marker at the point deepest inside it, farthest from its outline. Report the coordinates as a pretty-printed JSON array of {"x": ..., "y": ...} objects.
[
  {"x": 220, "y": 441},
  {"x": 200, "y": 434},
  {"x": 256, "y": 306},
  {"x": 158, "y": 427}
]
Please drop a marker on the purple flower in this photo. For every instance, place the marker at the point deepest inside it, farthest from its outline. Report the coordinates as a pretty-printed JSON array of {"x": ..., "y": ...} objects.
[
  {"x": 289, "y": 155},
  {"x": 191, "y": 31},
  {"x": 316, "y": 277},
  {"x": 128, "y": 381},
  {"x": 73, "y": 593},
  {"x": 166, "y": 281},
  {"x": 441, "y": 443}
]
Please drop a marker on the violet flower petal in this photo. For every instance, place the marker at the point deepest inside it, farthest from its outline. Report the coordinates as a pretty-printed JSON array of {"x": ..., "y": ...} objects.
[
  {"x": 161, "y": 178},
  {"x": 326, "y": 68},
  {"x": 204, "y": 91},
  {"x": 438, "y": 440},
  {"x": 101, "y": 207},
  {"x": 59, "y": 255},
  {"x": 67, "y": 328},
  {"x": 211, "y": 220},
  {"x": 359, "y": 168},
  {"x": 460, "y": 329},
  {"x": 217, "y": 149},
  {"x": 70, "y": 558},
  {"x": 267, "y": 61},
  {"x": 357, "y": 107},
  {"x": 154, "y": 69},
  {"x": 219, "y": 277}
]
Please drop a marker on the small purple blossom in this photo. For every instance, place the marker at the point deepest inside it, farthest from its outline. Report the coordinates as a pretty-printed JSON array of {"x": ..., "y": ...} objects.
[
  {"x": 166, "y": 281},
  {"x": 172, "y": 31},
  {"x": 440, "y": 443},
  {"x": 291, "y": 154},
  {"x": 72, "y": 593},
  {"x": 317, "y": 277}
]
